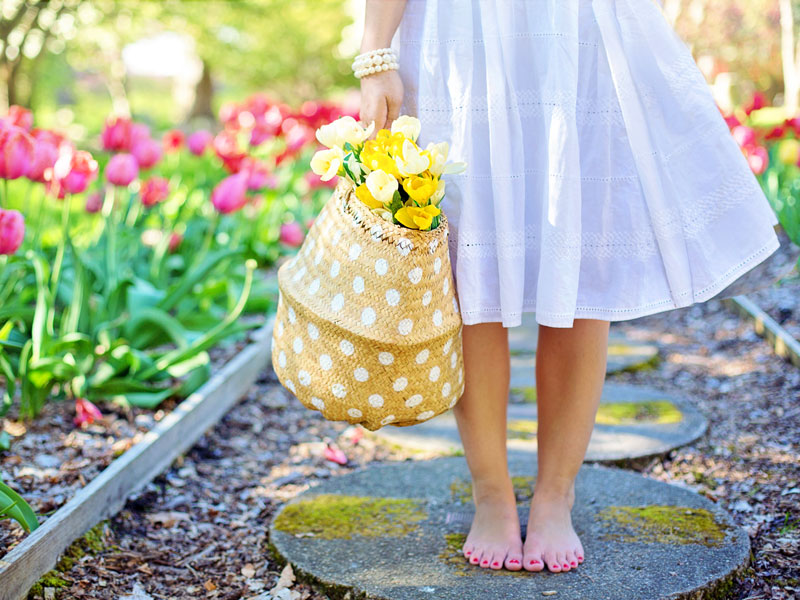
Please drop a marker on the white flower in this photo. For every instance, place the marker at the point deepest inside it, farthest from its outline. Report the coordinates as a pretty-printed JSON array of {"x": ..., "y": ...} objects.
[
  {"x": 326, "y": 163},
  {"x": 344, "y": 129},
  {"x": 438, "y": 154},
  {"x": 407, "y": 125},
  {"x": 412, "y": 162},
  {"x": 381, "y": 185},
  {"x": 438, "y": 194},
  {"x": 383, "y": 213}
]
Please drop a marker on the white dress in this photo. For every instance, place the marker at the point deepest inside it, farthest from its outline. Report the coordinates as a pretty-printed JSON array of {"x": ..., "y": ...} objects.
[{"x": 602, "y": 179}]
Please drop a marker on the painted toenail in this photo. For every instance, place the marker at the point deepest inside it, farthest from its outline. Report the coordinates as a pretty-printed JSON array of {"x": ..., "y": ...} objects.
[
  {"x": 468, "y": 552},
  {"x": 513, "y": 561},
  {"x": 566, "y": 566},
  {"x": 573, "y": 563},
  {"x": 495, "y": 564}
]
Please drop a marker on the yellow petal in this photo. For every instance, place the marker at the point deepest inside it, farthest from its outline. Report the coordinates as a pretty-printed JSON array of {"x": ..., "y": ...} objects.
[{"x": 405, "y": 218}]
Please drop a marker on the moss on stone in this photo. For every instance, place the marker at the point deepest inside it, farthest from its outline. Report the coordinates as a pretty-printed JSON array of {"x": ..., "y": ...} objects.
[
  {"x": 526, "y": 393},
  {"x": 522, "y": 429},
  {"x": 523, "y": 489},
  {"x": 660, "y": 412},
  {"x": 631, "y": 350},
  {"x": 334, "y": 516},
  {"x": 664, "y": 525}
]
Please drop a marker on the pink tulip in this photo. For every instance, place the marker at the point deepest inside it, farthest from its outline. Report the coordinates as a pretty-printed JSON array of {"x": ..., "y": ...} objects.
[
  {"x": 73, "y": 171},
  {"x": 17, "y": 149},
  {"x": 122, "y": 169},
  {"x": 12, "y": 230},
  {"x": 226, "y": 146},
  {"x": 231, "y": 193},
  {"x": 116, "y": 134},
  {"x": 175, "y": 240},
  {"x": 85, "y": 412},
  {"x": 758, "y": 159},
  {"x": 173, "y": 140},
  {"x": 20, "y": 116},
  {"x": 334, "y": 454},
  {"x": 154, "y": 190},
  {"x": 258, "y": 175},
  {"x": 199, "y": 141},
  {"x": 292, "y": 234},
  {"x": 744, "y": 136},
  {"x": 45, "y": 154},
  {"x": 147, "y": 152},
  {"x": 309, "y": 223},
  {"x": 94, "y": 202},
  {"x": 758, "y": 101},
  {"x": 776, "y": 133}
]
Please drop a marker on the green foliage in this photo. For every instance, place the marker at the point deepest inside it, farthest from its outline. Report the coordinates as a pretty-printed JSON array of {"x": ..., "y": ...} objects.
[{"x": 13, "y": 506}]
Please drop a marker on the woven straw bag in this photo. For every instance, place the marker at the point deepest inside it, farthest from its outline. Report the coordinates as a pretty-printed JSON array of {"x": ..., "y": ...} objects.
[{"x": 367, "y": 328}]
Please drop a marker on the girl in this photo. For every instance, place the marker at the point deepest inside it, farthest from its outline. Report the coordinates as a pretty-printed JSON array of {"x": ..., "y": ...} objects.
[{"x": 603, "y": 185}]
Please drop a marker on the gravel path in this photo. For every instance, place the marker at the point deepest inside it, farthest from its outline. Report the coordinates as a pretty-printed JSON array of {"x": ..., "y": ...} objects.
[{"x": 199, "y": 531}]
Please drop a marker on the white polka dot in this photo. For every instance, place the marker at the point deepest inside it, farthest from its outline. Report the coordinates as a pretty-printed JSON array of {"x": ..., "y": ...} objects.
[
  {"x": 304, "y": 377},
  {"x": 387, "y": 419},
  {"x": 437, "y": 265},
  {"x": 386, "y": 358},
  {"x": 313, "y": 287},
  {"x": 392, "y": 297},
  {"x": 355, "y": 251},
  {"x": 299, "y": 274},
  {"x": 434, "y": 374},
  {"x": 415, "y": 275},
  {"x": 361, "y": 374},
  {"x": 318, "y": 257},
  {"x": 425, "y": 415},
  {"x": 358, "y": 284},
  {"x": 318, "y": 403},
  {"x": 446, "y": 389},
  {"x": 460, "y": 375},
  {"x": 375, "y": 400},
  {"x": 423, "y": 356},
  {"x": 313, "y": 332},
  {"x": 445, "y": 286},
  {"x": 453, "y": 360},
  {"x": 338, "y": 390},
  {"x": 337, "y": 236},
  {"x": 455, "y": 304},
  {"x": 448, "y": 344},
  {"x": 337, "y": 303},
  {"x": 297, "y": 345},
  {"x": 325, "y": 362},
  {"x": 437, "y": 317},
  {"x": 414, "y": 400},
  {"x": 381, "y": 266},
  {"x": 368, "y": 316},
  {"x": 426, "y": 298},
  {"x": 354, "y": 412},
  {"x": 290, "y": 386},
  {"x": 292, "y": 316},
  {"x": 433, "y": 245},
  {"x": 376, "y": 231},
  {"x": 282, "y": 359},
  {"x": 335, "y": 268},
  {"x": 404, "y": 246},
  {"x": 453, "y": 401},
  {"x": 404, "y": 326},
  {"x": 400, "y": 384},
  {"x": 279, "y": 329},
  {"x": 346, "y": 347}
]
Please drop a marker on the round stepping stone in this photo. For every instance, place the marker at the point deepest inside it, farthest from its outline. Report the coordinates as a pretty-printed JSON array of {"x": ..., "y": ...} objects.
[
  {"x": 632, "y": 422},
  {"x": 394, "y": 531}
]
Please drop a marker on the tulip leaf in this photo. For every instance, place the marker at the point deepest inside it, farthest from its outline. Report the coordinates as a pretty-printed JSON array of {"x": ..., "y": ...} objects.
[{"x": 12, "y": 505}]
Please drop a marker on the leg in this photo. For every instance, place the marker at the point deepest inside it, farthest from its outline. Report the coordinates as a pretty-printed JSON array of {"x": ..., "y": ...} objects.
[
  {"x": 494, "y": 539},
  {"x": 570, "y": 372}
]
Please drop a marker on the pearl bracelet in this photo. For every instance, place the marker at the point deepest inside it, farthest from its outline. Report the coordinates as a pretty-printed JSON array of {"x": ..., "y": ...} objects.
[{"x": 374, "y": 61}]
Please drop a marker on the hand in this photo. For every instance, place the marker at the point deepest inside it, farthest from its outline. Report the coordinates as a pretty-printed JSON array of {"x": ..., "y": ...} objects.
[{"x": 381, "y": 97}]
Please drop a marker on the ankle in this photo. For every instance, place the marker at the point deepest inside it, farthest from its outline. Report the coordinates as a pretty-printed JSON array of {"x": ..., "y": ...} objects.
[
  {"x": 493, "y": 489},
  {"x": 554, "y": 494}
]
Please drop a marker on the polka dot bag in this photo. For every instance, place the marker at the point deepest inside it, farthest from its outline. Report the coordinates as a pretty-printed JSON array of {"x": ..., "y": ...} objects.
[{"x": 367, "y": 328}]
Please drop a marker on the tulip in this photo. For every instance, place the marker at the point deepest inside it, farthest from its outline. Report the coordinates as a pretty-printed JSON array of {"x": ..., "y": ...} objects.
[
  {"x": 85, "y": 412},
  {"x": 94, "y": 202},
  {"x": 175, "y": 240},
  {"x": 19, "y": 116},
  {"x": 147, "y": 152},
  {"x": 744, "y": 136},
  {"x": 789, "y": 151},
  {"x": 116, "y": 135},
  {"x": 17, "y": 149},
  {"x": 758, "y": 101},
  {"x": 776, "y": 133},
  {"x": 12, "y": 231},
  {"x": 122, "y": 169},
  {"x": 309, "y": 223},
  {"x": 45, "y": 154},
  {"x": 334, "y": 454},
  {"x": 199, "y": 141},
  {"x": 226, "y": 146},
  {"x": 258, "y": 175},
  {"x": 154, "y": 190},
  {"x": 73, "y": 171},
  {"x": 758, "y": 159},
  {"x": 231, "y": 193},
  {"x": 173, "y": 140},
  {"x": 292, "y": 234}
]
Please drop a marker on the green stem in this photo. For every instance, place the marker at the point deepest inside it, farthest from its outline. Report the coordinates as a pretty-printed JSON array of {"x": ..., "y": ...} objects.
[
  {"x": 37, "y": 228},
  {"x": 5, "y": 192},
  {"x": 213, "y": 221},
  {"x": 111, "y": 244},
  {"x": 61, "y": 245}
]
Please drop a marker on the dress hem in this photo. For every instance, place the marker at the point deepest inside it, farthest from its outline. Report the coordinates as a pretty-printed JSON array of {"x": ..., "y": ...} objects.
[{"x": 494, "y": 315}]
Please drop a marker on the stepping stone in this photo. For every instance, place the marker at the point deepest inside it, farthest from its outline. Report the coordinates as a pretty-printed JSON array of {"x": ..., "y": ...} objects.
[
  {"x": 632, "y": 422},
  {"x": 394, "y": 531}
]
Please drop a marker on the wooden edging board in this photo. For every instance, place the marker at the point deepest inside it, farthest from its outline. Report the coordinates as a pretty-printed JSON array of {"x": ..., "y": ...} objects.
[
  {"x": 781, "y": 341},
  {"x": 106, "y": 494}
]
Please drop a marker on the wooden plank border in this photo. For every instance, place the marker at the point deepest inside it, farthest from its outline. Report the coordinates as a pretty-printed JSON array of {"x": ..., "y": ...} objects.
[
  {"x": 106, "y": 494},
  {"x": 781, "y": 341}
]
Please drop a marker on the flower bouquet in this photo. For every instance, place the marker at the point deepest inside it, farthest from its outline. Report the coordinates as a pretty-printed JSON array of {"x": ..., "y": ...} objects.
[{"x": 367, "y": 327}]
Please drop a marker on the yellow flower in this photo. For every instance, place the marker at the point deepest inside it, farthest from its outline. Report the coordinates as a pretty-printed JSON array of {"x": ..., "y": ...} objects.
[
  {"x": 417, "y": 217},
  {"x": 377, "y": 159},
  {"x": 363, "y": 194},
  {"x": 420, "y": 188},
  {"x": 408, "y": 126},
  {"x": 411, "y": 161},
  {"x": 789, "y": 151}
]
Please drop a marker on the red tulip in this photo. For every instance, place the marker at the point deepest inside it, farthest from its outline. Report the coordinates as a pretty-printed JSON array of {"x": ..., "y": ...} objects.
[
  {"x": 175, "y": 240},
  {"x": 85, "y": 412},
  {"x": 94, "y": 202},
  {"x": 17, "y": 149},
  {"x": 173, "y": 140},
  {"x": 199, "y": 141},
  {"x": 759, "y": 100},
  {"x": 116, "y": 134},
  {"x": 147, "y": 152},
  {"x": 292, "y": 234},
  {"x": 226, "y": 145},
  {"x": 122, "y": 169},
  {"x": 12, "y": 230},
  {"x": 154, "y": 190},
  {"x": 334, "y": 454},
  {"x": 231, "y": 193},
  {"x": 19, "y": 116},
  {"x": 758, "y": 159},
  {"x": 73, "y": 171},
  {"x": 258, "y": 175},
  {"x": 732, "y": 120},
  {"x": 776, "y": 133}
]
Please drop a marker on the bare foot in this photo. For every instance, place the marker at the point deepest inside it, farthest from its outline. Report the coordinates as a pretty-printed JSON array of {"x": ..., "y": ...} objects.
[
  {"x": 494, "y": 538},
  {"x": 551, "y": 541}
]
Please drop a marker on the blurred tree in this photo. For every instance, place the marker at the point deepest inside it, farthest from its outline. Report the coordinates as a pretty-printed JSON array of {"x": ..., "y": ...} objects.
[{"x": 790, "y": 54}]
